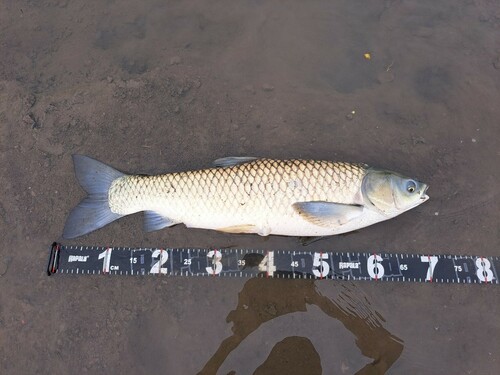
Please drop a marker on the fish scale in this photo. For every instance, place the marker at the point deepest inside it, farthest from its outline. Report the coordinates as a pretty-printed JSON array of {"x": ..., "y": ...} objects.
[{"x": 263, "y": 190}]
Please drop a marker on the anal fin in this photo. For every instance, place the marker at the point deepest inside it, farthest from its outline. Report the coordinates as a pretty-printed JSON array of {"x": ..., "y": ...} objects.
[{"x": 242, "y": 228}]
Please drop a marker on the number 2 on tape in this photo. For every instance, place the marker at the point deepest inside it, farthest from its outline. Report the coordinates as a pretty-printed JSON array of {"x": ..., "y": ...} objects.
[{"x": 162, "y": 256}]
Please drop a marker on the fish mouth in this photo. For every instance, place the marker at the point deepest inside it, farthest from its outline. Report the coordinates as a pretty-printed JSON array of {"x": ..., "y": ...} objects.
[{"x": 424, "y": 196}]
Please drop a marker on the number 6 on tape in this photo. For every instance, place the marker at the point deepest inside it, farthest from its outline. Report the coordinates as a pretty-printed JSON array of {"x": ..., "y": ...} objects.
[{"x": 375, "y": 267}]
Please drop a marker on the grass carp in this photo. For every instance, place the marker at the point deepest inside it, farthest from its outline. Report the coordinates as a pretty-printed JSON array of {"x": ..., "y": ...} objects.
[{"x": 246, "y": 195}]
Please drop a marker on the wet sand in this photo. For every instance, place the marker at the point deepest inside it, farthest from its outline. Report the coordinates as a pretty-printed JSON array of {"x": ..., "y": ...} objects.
[{"x": 151, "y": 86}]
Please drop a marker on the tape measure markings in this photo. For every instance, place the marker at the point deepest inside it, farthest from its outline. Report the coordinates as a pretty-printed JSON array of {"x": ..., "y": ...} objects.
[{"x": 375, "y": 266}]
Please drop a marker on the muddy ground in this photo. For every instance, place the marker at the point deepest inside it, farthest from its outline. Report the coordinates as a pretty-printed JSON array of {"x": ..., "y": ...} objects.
[{"x": 153, "y": 86}]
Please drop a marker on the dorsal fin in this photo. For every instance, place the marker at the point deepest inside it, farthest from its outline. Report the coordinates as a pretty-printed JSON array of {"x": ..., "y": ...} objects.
[{"x": 231, "y": 161}]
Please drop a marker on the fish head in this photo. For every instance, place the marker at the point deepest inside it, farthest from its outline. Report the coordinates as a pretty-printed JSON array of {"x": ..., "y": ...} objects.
[{"x": 392, "y": 193}]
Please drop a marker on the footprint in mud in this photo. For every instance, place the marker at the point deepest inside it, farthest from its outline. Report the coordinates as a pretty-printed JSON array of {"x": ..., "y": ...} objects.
[{"x": 269, "y": 332}]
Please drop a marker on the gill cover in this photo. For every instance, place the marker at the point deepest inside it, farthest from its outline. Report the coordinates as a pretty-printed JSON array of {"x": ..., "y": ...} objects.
[{"x": 392, "y": 193}]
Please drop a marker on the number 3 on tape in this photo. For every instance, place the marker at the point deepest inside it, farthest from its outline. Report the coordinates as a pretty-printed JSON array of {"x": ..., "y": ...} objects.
[{"x": 216, "y": 257}]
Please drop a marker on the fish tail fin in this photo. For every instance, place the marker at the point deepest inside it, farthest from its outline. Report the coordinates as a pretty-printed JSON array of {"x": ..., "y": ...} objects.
[{"x": 93, "y": 212}]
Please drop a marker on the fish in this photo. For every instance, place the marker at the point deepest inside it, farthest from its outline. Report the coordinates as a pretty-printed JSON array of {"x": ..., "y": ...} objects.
[{"x": 303, "y": 198}]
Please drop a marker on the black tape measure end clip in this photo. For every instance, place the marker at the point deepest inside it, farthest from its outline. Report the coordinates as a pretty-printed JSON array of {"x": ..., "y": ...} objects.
[{"x": 53, "y": 263}]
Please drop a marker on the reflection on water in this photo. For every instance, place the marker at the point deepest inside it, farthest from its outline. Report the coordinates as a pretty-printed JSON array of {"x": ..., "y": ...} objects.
[
  {"x": 262, "y": 301},
  {"x": 289, "y": 356}
]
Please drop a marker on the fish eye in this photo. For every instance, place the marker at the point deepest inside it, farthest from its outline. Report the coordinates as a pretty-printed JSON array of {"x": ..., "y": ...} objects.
[{"x": 411, "y": 186}]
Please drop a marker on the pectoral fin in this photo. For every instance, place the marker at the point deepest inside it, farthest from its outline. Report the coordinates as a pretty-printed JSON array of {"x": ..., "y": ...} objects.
[
  {"x": 327, "y": 214},
  {"x": 231, "y": 161}
]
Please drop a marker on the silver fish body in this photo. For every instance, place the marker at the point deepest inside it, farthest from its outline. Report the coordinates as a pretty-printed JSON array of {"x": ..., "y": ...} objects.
[{"x": 246, "y": 195}]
